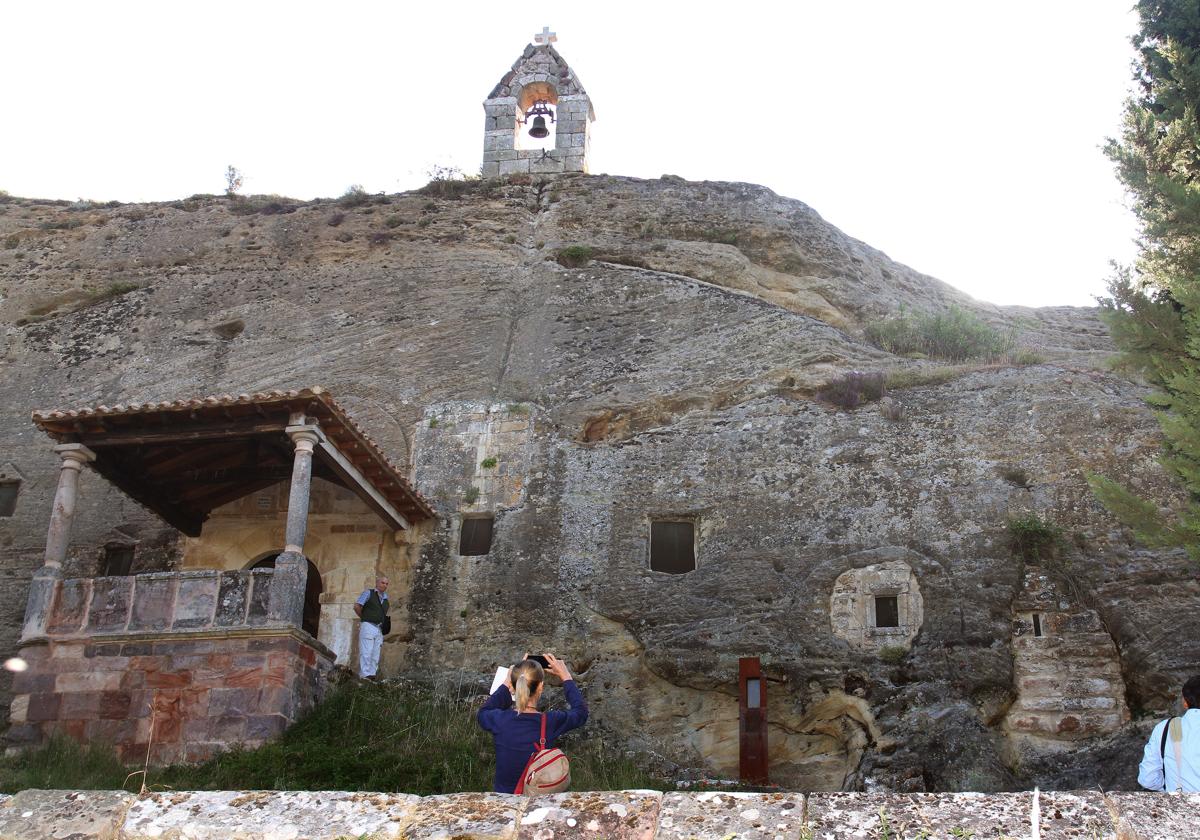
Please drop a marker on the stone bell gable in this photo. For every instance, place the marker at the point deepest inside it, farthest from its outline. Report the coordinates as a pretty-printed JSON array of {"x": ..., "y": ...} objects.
[{"x": 539, "y": 75}]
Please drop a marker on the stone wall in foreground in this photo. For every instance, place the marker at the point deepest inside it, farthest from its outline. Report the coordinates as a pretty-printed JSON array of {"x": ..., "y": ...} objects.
[{"x": 257, "y": 815}]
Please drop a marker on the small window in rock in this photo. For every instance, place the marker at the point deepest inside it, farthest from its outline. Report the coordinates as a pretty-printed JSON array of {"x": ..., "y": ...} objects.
[
  {"x": 118, "y": 560},
  {"x": 476, "y": 536},
  {"x": 8, "y": 496},
  {"x": 1037, "y": 624},
  {"x": 887, "y": 611},
  {"x": 673, "y": 547}
]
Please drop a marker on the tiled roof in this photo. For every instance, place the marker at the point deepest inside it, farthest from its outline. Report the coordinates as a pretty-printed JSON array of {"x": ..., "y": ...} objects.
[{"x": 339, "y": 427}]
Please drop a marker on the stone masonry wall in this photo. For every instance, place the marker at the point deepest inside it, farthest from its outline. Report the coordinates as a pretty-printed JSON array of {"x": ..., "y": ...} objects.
[
  {"x": 188, "y": 698},
  {"x": 614, "y": 815},
  {"x": 187, "y": 662}
]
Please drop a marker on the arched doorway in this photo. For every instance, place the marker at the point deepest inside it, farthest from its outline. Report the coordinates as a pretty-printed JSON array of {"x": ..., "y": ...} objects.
[{"x": 312, "y": 592}]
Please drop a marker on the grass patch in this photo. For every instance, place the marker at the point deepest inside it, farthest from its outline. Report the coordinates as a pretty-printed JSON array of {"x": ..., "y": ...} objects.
[
  {"x": 892, "y": 654},
  {"x": 363, "y": 737},
  {"x": 471, "y": 495},
  {"x": 575, "y": 256},
  {"x": 898, "y": 380},
  {"x": 449, "y": 182},
  {"x": 954, "y": 335},
  {"x": 1033, "y": 539}
]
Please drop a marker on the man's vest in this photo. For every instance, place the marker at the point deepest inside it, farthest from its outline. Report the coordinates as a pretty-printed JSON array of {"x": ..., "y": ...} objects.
[{"x": 375, "y": 609}]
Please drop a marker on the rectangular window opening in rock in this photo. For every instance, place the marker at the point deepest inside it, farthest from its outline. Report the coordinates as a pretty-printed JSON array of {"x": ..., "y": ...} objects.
[
  {"x": 673, "y": 547},
  {"x": 117, "y": 561},
  {"x": 8, "y": 497},
  {"x": 475, "y": 538},
  {"x": 1037, "y": 624},
  {"x": 887, "y": 611}
]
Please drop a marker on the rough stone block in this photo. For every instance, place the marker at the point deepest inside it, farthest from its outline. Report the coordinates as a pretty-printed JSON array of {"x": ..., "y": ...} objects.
[
  {"x": 832, "y": 816},
  {"x": 153, "y": 602},
  {"x": 232, "y": 599},
  {"x": 70, "y": 607},
  {"x": 993, "y": 814},
  {"x": 720, "y": 815},
  {"x": 109, "y": 610},
  {"x": 114, "y": 705},
  {"x": 260, "y": 596},
  {"x": 490, "y": 169},
  {"x": 1142, "y": 816},
  {"x": 264, "y": 727},
  {"x": 60, "y": 814},
  {"x": 196, "y": 602},
  {"x": 18, "y": 709},
  {"x": 512, "y": 167},
  {"x": 43, "y": 707},
  {"x": 259, "y": 814},
  {"x": 481, "y": 816},
  {"x": 80, "y": 705},
  {"x": 613, "y": 815},
  {"x": 1078, "y": 814}
]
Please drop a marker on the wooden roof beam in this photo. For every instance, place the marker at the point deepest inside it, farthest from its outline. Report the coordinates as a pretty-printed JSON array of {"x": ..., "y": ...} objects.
[{"x": 357, "y": 483}]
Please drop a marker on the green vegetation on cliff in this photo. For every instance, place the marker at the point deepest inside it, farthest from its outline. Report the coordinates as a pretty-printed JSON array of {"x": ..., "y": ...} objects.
[
  {"x": 362, "y": 737},
  {"x": 1154, "y": 311}
]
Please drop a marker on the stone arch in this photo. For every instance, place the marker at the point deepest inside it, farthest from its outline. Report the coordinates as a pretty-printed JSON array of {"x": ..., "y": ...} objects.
[{"x": 313, "y": 587}]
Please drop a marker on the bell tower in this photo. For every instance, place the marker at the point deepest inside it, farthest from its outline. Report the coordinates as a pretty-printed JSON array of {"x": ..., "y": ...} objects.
[{"x": 538, "y": 117}]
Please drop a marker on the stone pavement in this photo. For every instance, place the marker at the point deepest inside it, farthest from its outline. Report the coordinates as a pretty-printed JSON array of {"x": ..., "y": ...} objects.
[{"x": 641, "y": 814}]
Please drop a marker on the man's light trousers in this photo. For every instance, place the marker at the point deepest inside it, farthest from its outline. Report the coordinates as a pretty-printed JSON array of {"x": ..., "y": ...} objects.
[{"x": 370, "y": 640}]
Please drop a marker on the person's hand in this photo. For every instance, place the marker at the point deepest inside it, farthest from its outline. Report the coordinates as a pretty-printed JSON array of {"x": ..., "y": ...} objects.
[{"x": 557, "y": 667}]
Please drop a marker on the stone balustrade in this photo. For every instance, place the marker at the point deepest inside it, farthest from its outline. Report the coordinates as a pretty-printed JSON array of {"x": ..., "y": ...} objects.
[
  {"x": 159, "y": 603},
  {"x": 257, "y": 815}
]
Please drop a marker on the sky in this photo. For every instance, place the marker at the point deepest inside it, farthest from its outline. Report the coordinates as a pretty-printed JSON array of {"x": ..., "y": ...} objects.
[{"x": 961, "y": 138}]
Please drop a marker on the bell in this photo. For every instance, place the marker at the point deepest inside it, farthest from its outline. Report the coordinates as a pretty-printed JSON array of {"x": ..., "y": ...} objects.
[{"x": 539, "y": 129}]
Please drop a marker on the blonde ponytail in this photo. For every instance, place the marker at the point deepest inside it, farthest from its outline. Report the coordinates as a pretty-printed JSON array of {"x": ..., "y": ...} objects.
[{"x": 526, "y": 677}]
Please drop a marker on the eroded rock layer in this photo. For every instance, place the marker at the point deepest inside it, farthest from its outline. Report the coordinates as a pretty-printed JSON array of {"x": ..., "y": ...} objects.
[{"x": 668, "y": 376}]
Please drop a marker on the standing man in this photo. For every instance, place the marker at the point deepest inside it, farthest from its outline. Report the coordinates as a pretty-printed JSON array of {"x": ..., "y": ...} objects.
[
  {"x": 372, "y": 608},
  {"x": 1171, "y": 760}
]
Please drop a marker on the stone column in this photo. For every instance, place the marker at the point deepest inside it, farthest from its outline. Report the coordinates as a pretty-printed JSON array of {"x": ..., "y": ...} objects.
[
  {"x": 291, "y": 567},
  {"x": 58, "y": 538}
]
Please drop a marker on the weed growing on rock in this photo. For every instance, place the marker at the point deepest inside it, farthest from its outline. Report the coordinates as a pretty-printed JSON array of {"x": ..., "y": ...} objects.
[
  {"x": 12, "y": 242},
  {"x": 449, "y": 182},
  {"x": 954, "y": 334},
  {"x": 852, "y": 390},
  {"x": 892, "y": 654},
  {"x": 488, "y": 463},
  {"x": 354, "y": 196},
  {"x": 1033, "y": 539},
  {"x": 574, "y": 256},
  {"x": 471, "y": 495}
]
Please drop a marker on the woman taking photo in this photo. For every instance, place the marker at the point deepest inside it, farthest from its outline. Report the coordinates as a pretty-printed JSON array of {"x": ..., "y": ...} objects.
[{"x": 517, "y": 730}]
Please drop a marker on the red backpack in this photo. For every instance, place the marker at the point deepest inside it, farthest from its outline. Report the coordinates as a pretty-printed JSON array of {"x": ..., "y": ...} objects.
[{"x": 547, "y": 771}]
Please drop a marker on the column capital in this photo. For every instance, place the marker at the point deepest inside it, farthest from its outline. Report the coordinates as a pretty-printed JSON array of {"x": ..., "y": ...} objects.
[
  {"x": 74, "y": 454},
  {"x": 304, "y": 437}
]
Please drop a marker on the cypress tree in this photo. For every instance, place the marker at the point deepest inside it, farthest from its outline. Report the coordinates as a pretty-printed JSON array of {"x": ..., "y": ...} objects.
[{"x": 1154, "y": 308}]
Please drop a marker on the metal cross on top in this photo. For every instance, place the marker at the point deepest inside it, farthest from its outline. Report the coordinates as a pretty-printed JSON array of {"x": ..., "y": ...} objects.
[{"x": 545, "y": 36}]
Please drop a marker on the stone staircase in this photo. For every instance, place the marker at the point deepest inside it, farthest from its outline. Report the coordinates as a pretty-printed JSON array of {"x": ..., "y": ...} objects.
[{"x": 1067, "y": 670}]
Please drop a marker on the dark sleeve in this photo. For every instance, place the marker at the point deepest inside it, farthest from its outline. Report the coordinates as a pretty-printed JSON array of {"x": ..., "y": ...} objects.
[
  {"x": 499, "y": 702},
  {"x": 574, "y": 717}
]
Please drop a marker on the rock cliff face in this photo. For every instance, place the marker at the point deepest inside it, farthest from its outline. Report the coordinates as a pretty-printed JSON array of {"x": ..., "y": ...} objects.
[{"x": 668, "y": 379}]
